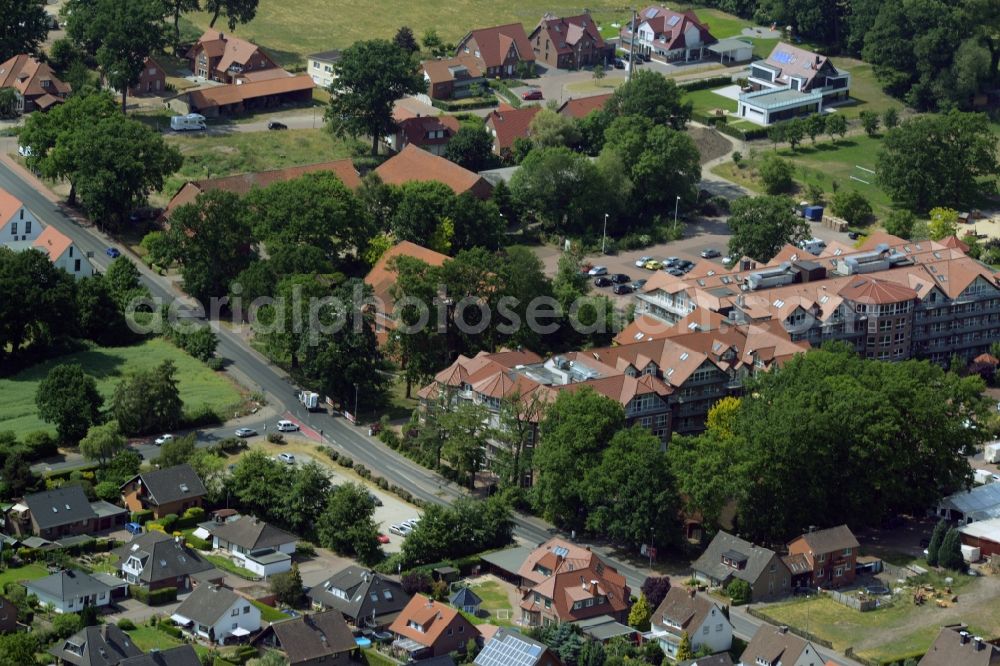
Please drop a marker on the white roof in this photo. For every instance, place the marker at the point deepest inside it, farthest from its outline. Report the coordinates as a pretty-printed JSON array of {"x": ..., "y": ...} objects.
[
  {"x": 979, "y": 503},
  {"x": 983, "y": 529}
]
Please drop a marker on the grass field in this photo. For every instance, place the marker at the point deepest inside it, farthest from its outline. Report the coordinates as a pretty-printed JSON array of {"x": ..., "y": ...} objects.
[
  {"x": 707, "y": 101},
  {"x": 269, "y": 613},
  {"x": 241, "y": 152},
  {"x": 19, "y": 574},
  {"x": 198, "y": 385},
  {"x": 226, "y": 564},
  {"x": 494, "y": 599},
  {"x": 721, "y": 24},
  {"x": 150, "y": 638}
]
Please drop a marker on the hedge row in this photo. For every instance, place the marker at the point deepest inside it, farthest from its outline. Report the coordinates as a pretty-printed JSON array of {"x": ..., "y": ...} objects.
[
  {"x": 482, "y": 103},
  {"x": 365, "y": 473},
  {"x": 89, "y": 546},
  {"x": 164, "y": 595},
  {"x": 704, "y": 84},
  {"x": 746, "y": 135},
  {"x": 142, "y": 517}
]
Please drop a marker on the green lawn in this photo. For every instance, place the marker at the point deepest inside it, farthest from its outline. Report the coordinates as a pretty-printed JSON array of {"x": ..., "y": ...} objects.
[
  {"x": 373, "y": 657},
  {"x": 226, "y": 564},
  {"x": 494, "y": 599},
  {"x": 242, "y": 152},
  {"x": 198, "y": 385},
  {"x": 25, "y": 573},
  {"x": 269, "y": 613},
  {"x": 149, "y": 638},
  {"x": 865, "y": 89},
  {"x": 721, "y": 24},
  {"x": 707, "y": 101}
]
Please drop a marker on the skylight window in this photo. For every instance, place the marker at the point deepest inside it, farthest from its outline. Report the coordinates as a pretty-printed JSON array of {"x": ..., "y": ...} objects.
[{"x": 684, "y": 356}]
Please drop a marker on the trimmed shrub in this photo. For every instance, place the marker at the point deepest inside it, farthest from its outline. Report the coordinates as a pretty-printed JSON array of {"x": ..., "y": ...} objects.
[
  {"x": 164, "y": 595},
  {"x": 141, "y": 517},
  {"x": 275, "y": 438},
  {"x": 345, "y": 462},
  {"x": 199, "y": 544},
  {"x": 705, "y": 84},
  {"x": 126, "y": 624},
  {"x": 171, "y": 630},
  {"x": 168, "y": 522}
]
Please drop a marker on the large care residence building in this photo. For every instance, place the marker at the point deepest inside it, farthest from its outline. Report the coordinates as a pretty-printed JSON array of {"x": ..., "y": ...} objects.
[
  {"x": 892, "y": 299},
  {"x": 791, "y": 82},
  {"x": 668, "y": 35}
]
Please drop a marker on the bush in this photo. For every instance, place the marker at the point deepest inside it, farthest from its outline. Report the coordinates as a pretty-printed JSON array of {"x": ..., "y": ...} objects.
[
  {"x": 382, "y": 483},
  {"x": 275, "y": 438},
  {"x": 168, "y": 522},
  {"x": 739, "y": 592},
  {"x": 216, "y": 363},
  {"x": 344, "y": 461},
  {"x": 164, "y": 595},
  {"x": 126, "y": 624},
  {"x": 776, "y": 174},
  {"x": 171, "y": 630},
  {"x": 40, "y": 444},
  {"x": 852, "y": 206},
  {"x": 141, "y": 517},
  {"x": 900, "y": 223},
  {"x": 200, "y": 544},
  {"x": 305, "y": 549},
  {"x": 201, "y": 417},
  {"x": 705, "y": 84}
]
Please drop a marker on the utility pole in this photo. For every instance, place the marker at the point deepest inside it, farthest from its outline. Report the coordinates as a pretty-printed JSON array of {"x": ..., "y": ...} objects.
[{"x": 631, "y": 48}]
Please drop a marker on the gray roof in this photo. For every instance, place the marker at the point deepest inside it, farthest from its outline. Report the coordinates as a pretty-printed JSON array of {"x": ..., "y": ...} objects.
[
  {"x": 509, "y": 559},
  {"x": 328, "y": 56},
  {"x": 357, "y": 586},
  {"x": 980, "y": 503},
  {"x": 37, "y": 542},
  {"x": 162, "y": 557},
  {"x": 101, "y": 645},
  {"x": 507, "y": 648},
  {"x": 182, "y": 655},
  {"x": 465, "y": 597},
  {"x": 67, "y": 585},
  {"x": 110, "y": 580},
  {"x": 710, "y": 562},
  {"x": 62, "y": 506},
  {"x": 104, "y": 509},
  {"x": 171, "y": 484},
  {"x": 252, "y": 533},
  {"x": 314, "y": 636},
  {"x": 773, "y": 644},
  {"x": 208, "y": 603},
  {"x": 604, "y": 627},
  {"x": 952, "y": 648}
]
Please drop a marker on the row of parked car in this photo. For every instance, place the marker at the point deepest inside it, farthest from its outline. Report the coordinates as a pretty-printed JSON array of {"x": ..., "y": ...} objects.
[{"x": 404, "y": 528}]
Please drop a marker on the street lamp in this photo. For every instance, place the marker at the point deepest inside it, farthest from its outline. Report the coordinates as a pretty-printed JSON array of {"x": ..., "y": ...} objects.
[
  {"x": 356, "y": 420},
  {"x": 604, "y": 237},
  {"x": 677, "y": 203}
]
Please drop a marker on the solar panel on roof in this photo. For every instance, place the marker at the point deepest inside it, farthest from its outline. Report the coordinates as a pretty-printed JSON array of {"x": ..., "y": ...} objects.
[
  {"x": 674, "y": 20},
  {"x": 651, "y": 12},
  {"x": 783, "y": 57},
  {"x": 560, "y": 551}
]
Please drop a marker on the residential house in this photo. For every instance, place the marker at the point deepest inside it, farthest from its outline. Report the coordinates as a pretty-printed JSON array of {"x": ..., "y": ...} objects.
[
  {"x": 255, "y": 91},
  {"x": 790, "y": 82},
  {"x": 173, "y": 490},
  {"x": 321, "y": 67},
  {"x": 432, "y": 133},
  {"x": 381, "y": 278},
  {"x": 182, "y": 655},
  {"x": 241, "y": 184},
  {"x": 223, "y": 58},
  {"x": 730, "y": 558},
  {"x": 569, "y": 42},
  {"x": 668, "y": 35},
  {"x": 892, "y": 299},
  {"x": 311, "y": 640},
  {"x": 954, "y": 646},
  {"x": 775, "y": 646},
  {"x": 8, "y": 616},
  {"x": 412, "y": 164},
  {"x": 508, "y": 125},
  {"x": 562, "y": 582},
  {"x": 501, "y": 51},
  {"x": 831, "y": 556},
  {"x": 154, "y": 560},
  {"x": 583, "y": 106},
  {"x": 99, "y": 645},
  {"x": 69, "y": 591},
  {"x": 63, "y": 252},
  {"x": 152, "y": 79},
  {"x": 685, "y": 612},
  {"x": 366, "y": 599},
  {"x": 36, "y": 86},
  {"x": 508, "y": 647},
  {"x": 255, "y": 545},
  {"x": 466, "y": 600},
  {"x": 453, "y": 78},
  {"x": 62, "y": 512},
  {"x": 17, "y": 223},
  {"x": 216, "y": 613},
  {"x": 428, "y": 628}
]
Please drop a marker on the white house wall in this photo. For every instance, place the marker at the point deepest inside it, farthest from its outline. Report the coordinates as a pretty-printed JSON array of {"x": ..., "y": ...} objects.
[
  {"x": 23, "y": 220},
  {"x": 74, "y": 262}
]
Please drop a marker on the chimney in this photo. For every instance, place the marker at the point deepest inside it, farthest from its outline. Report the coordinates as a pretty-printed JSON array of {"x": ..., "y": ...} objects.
[
  {"x": 179, "y": 539},
  {"x": 691, "y": 593},
  {"x": 979, "y": 643},
  {"x": 963, "y": 637},
  {"x": 783, "y": 629}
]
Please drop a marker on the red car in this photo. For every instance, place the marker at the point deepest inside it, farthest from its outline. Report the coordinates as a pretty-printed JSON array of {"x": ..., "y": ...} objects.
[
  {"x": 383, "y": 538},
  {"x": 532, "y": 94}
]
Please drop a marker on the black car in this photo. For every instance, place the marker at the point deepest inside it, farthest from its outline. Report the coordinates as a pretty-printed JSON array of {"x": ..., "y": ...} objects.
[
  {"x": 638, "y": 284},
  {"x": 853, "y": 235},
  {"x": 603, "y": 281},
  {"x": 620, "y": 278},
  {"x": 275, "y": 125},
  {"x": 684, "y": 265},
  {"x": 619, "y": 63},
  {"x": 645, "y": 57},
  {"x": 622, "y": 289}
]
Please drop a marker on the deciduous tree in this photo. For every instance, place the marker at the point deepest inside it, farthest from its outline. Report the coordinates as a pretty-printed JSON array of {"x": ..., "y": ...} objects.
[
  {"x": 148, "y": 401},
  {"x": 24, "y": 25},
  {"x": 346, "y": 525},
  {"x": 102, "y": 442},
  {"x": 852, "y": 206},
  {"x": 651, "y": 96},
  {"x": 236, "y": 11},
  {"x": 763, "y": 225},
  {"x": 68, "y": 398},
  {"x": 471, "y": 148}
]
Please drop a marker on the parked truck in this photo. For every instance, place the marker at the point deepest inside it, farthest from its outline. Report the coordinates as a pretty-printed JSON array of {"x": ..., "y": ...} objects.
[
  {"x": 187, "y": 123},
  {"x": 310, "y": 400}
]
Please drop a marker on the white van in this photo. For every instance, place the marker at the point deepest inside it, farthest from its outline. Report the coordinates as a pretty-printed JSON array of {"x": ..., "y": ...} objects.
[
  {"x": 287, "y": 426},
  {"x": 188, "y": 123}
]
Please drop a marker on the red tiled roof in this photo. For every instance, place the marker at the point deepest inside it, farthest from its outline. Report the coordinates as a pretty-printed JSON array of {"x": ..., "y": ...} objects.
[
  {"x": 415, "y": 130},
  {"x": 495, "y": 42},
  {"x": 434, "y": 618},
  {"x": 414, "y": 164},
  {"x": 208, "y": 98},
  {"x": 439, "y": 71},
  {"x": 509, "y": 125},
  {"x": 381, "y": 278},
  {"x": 232, "y": 50},
  {"x": 53, "y": 242},
  {"x": 564, "y": 32},
  {"x": 669, "y": 27},
  {"x": 581, "y": 108},
  {"x": 25, "y": 74},
  {"x": 9, "y": 204},
  {"x": 242, "y": 183},
  {"x": 869, "y": 290}
]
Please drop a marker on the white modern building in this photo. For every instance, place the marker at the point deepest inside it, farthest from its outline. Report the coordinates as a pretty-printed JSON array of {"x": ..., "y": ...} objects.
[
  {"x": 791, "y": 82},
  {"x": 667, "y": 35},
  {"x": 321, "y": 67}
]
